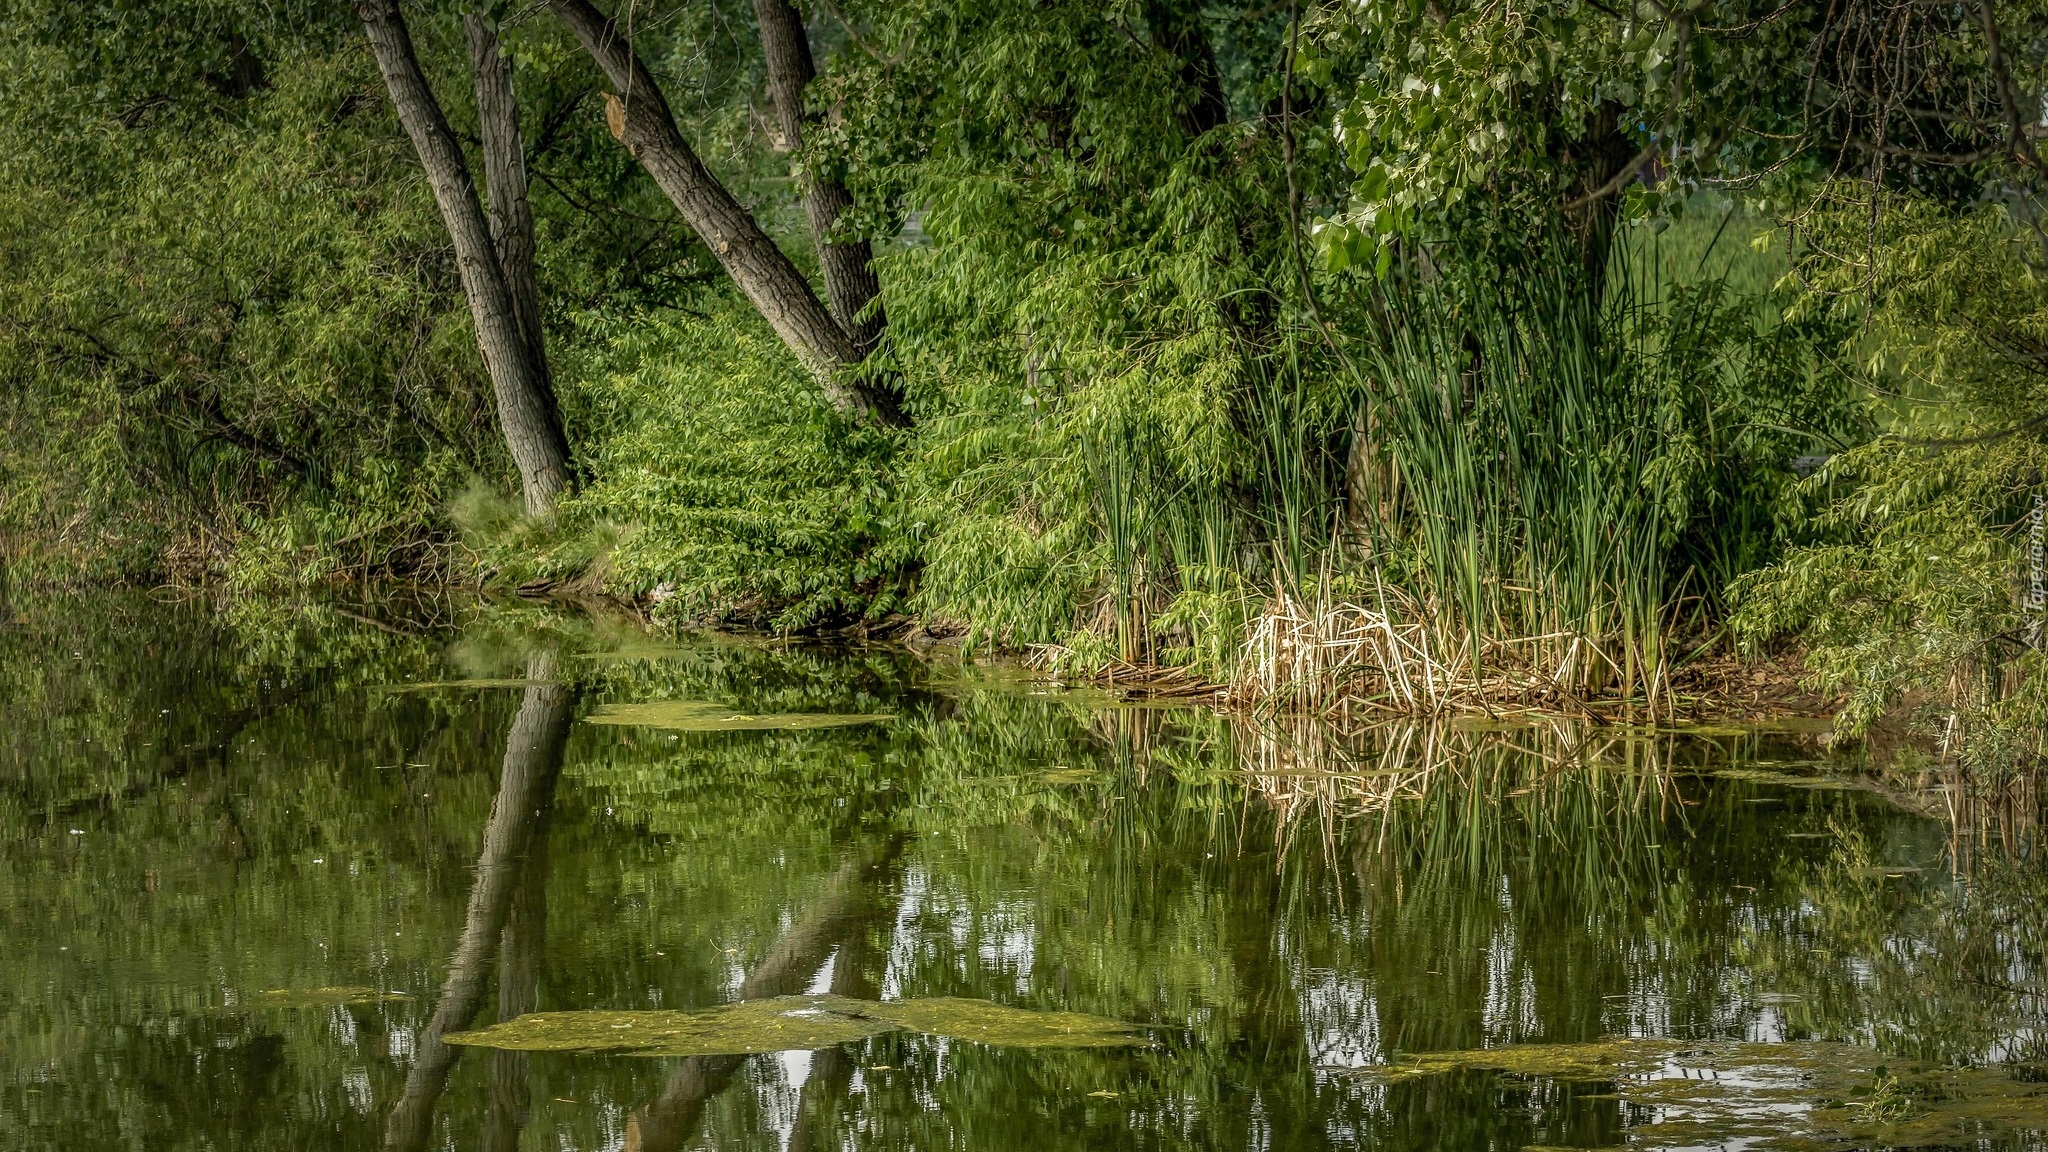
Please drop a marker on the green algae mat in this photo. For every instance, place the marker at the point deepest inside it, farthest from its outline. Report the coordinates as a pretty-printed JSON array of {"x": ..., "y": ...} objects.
[
  {"x": 339, "y": 996},
  {"x": 786, "y": 1023},
  {"x": 1790, "y": 1096}
]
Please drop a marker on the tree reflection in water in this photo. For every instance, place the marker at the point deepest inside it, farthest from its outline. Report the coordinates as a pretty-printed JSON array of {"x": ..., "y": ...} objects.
[{"x": 507, "y": 913}]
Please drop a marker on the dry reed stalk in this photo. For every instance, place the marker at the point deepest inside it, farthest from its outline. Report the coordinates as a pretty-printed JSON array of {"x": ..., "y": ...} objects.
[{"x": 1324, "y": 657}]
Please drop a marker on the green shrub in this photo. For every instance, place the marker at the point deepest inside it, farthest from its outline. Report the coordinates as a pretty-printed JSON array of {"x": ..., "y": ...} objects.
[
  {"x": 734, "y": 490},
  {"x": 1911, "y": 600}
]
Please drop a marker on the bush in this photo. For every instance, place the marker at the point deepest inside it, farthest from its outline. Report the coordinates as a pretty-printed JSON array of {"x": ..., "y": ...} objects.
[
  {"x": 729, "y": 482},
  {"x": 1912, "y": 601}
]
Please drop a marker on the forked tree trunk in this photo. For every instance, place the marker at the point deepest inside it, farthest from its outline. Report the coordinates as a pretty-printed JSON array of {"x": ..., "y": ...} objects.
[
  {"x": 639, "y": 116},
  {"x": 526, "y": 404},
  {"x": 850, "y": 283}
]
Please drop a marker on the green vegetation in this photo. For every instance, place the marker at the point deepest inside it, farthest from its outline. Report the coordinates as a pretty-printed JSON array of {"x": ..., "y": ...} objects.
[
  {"x": 781, "y": 1023},
  {"x": 1419, "y": 356}
]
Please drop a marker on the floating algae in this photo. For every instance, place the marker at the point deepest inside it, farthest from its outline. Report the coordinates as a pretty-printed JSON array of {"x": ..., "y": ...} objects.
[
  {"x": 1799, "y": 1095},
  {"x": 785, "y": 1023},
  {"x": 705, "y": 716},
  {"x": 986, "y": 1023},
  {"x": 1817, "y": 782},
  {"x": 321, "y": 997},
  {"x": 772, "y": 1025}
]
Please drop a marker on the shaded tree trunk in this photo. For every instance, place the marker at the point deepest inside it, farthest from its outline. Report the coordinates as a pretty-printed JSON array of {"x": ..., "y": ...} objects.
[
  {"x": 526, "y": 403},
  {"x": 640, "y": 117},
  {"x": 1176, "y": 27},
  {"x": 504, "y": 153},
  {"x": 526, "y": 785},
  {"x": 1605, "y": 155},
  {"x": 850, "y": 282},
  {"x": 1372, "y": 485}
]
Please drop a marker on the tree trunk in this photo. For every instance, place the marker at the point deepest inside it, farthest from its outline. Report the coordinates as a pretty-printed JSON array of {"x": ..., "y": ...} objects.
[
  {"x": 850, "y": 283},
  {"x": 526, "y": 402},
  {"x": 504, "y": 150},
  {"x": 640, "y": 118},
  {"x": 1604, "y": 152},
  {"x": 1177, "y": 29}
]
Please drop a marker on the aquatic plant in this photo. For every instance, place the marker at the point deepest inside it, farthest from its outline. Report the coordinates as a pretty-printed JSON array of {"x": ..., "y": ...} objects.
[
  {"x": 783, "y": 1023},
  {"x": 1548, "y": 482}
]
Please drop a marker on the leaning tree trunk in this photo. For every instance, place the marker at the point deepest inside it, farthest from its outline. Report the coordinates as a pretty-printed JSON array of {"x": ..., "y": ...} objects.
[
  {"x": 526, "y": 402},
  {"x": 639, "y": 116},
  {"x": 850, "y": 283}
]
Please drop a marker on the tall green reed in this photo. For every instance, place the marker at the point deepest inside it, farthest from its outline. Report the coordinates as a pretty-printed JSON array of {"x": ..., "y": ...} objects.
[
  {"x": 1553, "y": 473},
  {"x": 1525, "y": 441}
]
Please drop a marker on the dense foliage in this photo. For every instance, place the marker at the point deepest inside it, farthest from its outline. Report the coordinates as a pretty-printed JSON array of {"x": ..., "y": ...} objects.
[
  {"x": 1921, "y": 593},
  {"x": 1498, "y": 328}
]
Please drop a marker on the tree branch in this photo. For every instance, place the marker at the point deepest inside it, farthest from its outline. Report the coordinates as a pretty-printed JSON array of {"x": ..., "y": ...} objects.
[
  {"x": 640, "y": 118},
  {"x": 1615, "y": 183}
]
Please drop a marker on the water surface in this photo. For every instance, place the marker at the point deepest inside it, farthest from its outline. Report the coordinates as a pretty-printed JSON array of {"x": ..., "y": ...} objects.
[{"x": 257, "y": 860}]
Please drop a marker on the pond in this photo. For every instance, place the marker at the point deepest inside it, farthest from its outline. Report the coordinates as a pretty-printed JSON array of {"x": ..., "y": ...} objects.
[{"x": 261, "y": 863}]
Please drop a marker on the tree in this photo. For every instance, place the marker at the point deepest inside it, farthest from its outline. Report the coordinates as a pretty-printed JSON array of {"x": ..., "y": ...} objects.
[
  {"x": 850, "y": 283},
  {"x": 641, "y": 119},
  {"x": 1176, "y": 27},
  {"x": 497, "y": 272},
  {"x": 1577, "y": 112}
]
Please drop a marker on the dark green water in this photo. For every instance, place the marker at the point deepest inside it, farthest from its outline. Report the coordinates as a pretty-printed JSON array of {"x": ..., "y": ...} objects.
[{"x": 208, "y": 814}]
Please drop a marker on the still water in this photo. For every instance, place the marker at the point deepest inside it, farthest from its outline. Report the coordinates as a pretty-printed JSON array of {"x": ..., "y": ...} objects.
[{"x": 258, "y": 861}]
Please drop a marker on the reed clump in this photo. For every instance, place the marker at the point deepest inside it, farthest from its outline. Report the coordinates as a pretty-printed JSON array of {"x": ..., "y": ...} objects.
[
  {"x": 1546, "y": 492},
  {"x": 1390, "y": 657}
]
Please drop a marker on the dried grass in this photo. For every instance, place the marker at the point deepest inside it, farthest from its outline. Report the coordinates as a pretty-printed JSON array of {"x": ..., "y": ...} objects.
[{"x": 1393, "y": 657}]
